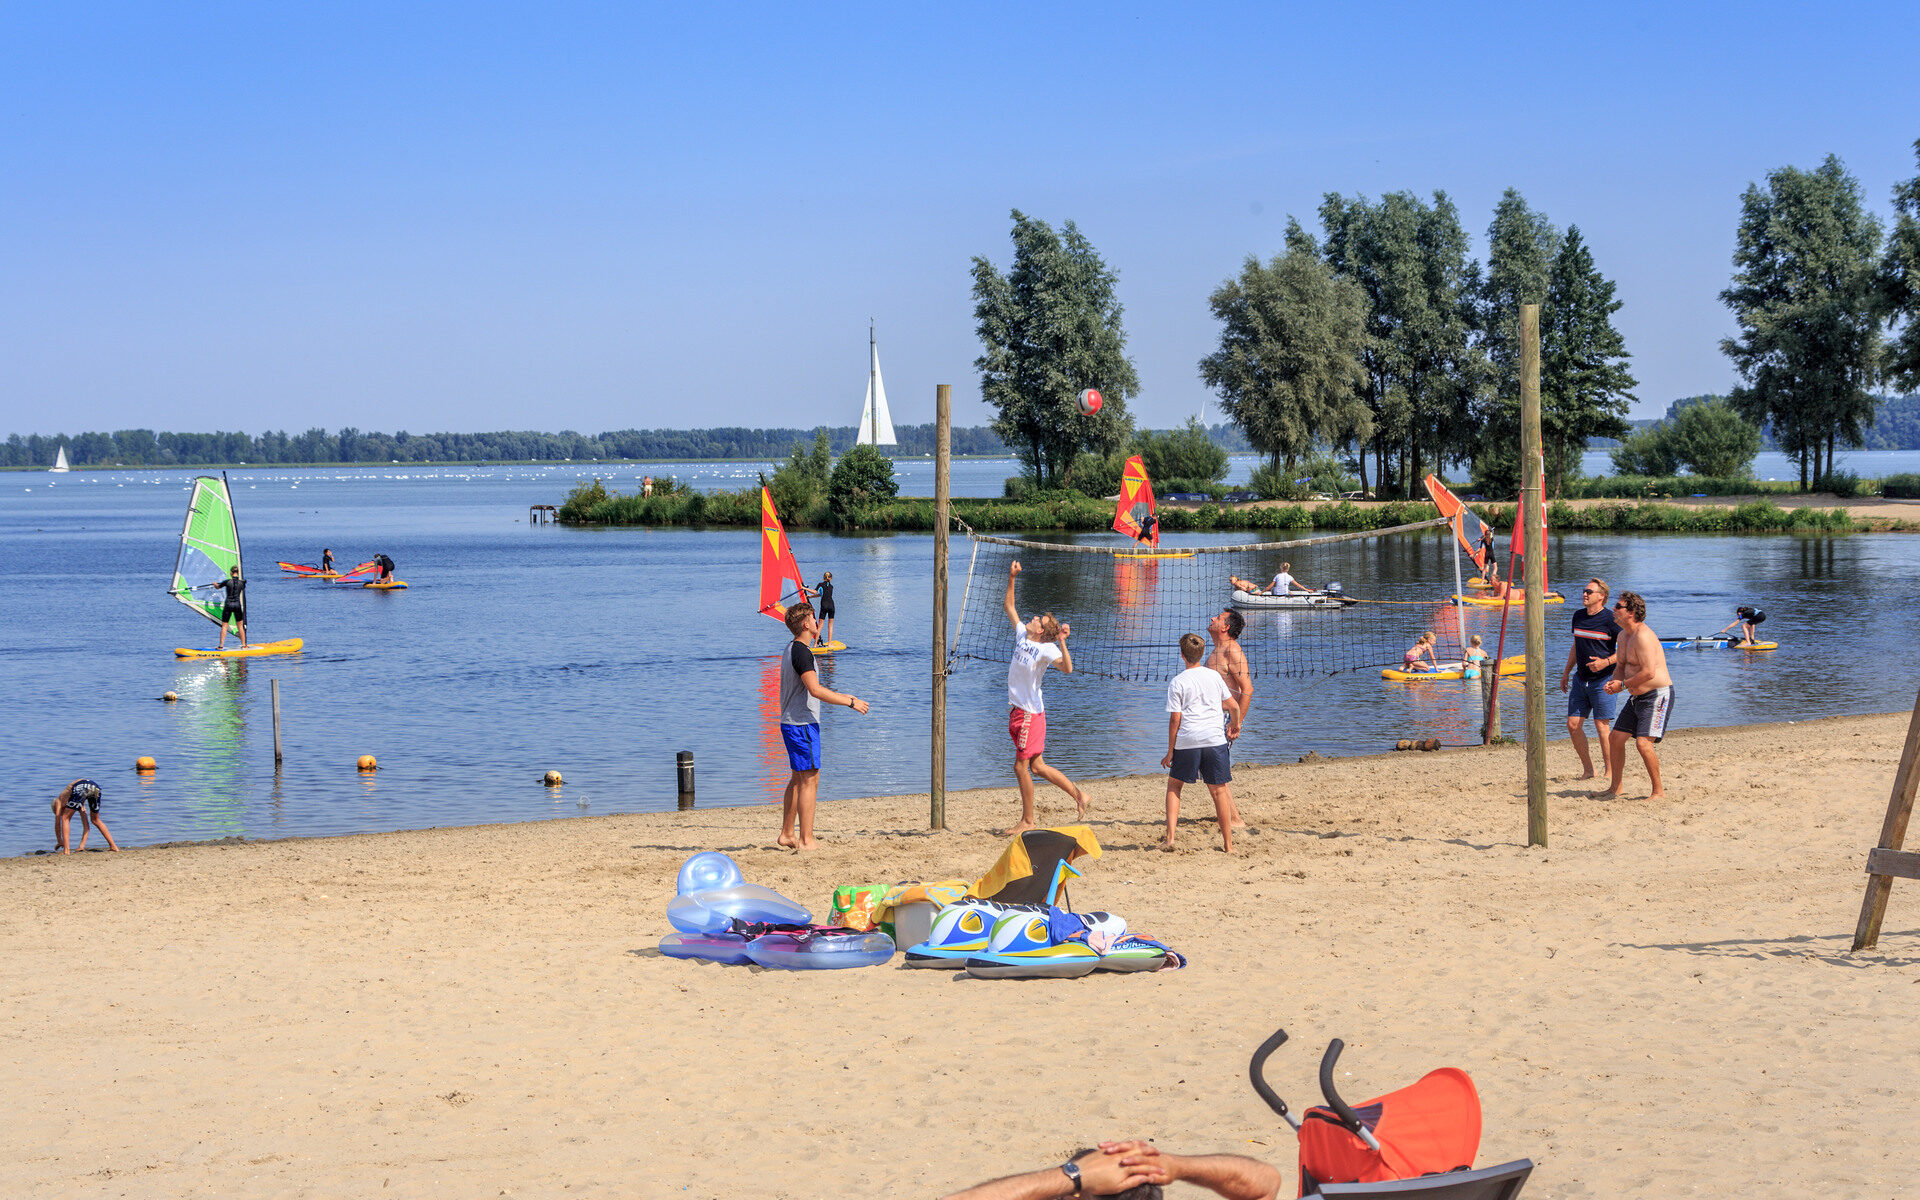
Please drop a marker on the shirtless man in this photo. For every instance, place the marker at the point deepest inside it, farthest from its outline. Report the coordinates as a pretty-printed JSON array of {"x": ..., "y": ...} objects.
[
  {"x": 1641, "y": 672},
  {"x": 1231, "y": 661}
]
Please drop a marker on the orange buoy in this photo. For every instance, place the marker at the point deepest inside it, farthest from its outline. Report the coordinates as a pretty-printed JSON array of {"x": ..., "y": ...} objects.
[
  {"x": 143, "y": 763},
  {"x": 170, "y": 697},
  {"x": 369, "y": 763},
  {"x": 552, "y": 779}
]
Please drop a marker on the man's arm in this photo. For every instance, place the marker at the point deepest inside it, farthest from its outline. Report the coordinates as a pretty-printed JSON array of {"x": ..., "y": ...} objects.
[
  {"x": 1013, "y": 572},
  {"x": 1231, "y": 1175},
  {"x": 1101, "y": 1174},
  {"x": 826, "y": 695},
  {"x": 1066, "y": 656},
  {"x": 1240, "y": 682}
]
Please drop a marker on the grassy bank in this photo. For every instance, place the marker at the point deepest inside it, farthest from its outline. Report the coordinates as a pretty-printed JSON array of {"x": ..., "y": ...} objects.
[{"x": 592, "y": 505}]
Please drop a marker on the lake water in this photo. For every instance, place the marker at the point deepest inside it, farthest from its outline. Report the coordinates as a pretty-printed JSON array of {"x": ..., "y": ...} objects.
[{"x": 599, "y": 653}]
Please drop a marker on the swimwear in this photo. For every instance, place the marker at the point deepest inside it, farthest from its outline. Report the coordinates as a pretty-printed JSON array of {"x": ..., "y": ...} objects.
[
  {"x": 1590, "y": 698},
  {"x": 803, "y": 746},
  {"x": 1645, "y": 715},
  {"x": 1028, "y": 731},
  {"x": 1211, "y": 763},
  {"x": 84, "y": 794}
]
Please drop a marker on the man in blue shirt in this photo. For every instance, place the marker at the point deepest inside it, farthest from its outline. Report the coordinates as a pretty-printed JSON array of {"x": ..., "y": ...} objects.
[{"x": 1590, "y": 660}]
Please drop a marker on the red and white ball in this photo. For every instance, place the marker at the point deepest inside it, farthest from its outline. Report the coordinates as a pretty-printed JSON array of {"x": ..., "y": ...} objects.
[{"x": 1090, "y": 401}]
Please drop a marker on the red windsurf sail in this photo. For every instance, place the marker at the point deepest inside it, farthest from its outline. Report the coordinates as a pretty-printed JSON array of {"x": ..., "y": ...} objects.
[
  {"x": 777, "y": 567},
  {"x": 1134, "y": 516},
  {"x": 1518, "y": 545}
]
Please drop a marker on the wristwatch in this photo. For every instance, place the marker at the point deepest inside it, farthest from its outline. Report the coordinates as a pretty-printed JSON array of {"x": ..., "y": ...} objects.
[{"x": 1071, "y": 1170}]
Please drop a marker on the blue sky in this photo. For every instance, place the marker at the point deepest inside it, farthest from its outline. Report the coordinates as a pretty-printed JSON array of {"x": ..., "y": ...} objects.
[{"x": 588, "y": 216}]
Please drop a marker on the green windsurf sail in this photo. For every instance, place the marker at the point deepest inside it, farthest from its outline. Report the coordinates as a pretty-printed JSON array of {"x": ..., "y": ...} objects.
[{"x": 209, "y": 546}]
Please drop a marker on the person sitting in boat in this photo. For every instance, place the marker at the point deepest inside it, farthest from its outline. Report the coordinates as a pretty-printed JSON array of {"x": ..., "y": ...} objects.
[
  {"x": 1423, "y": 648},
  {"x": 326, "y": 561},
  {"x": 1748, "y": 619},
  {"x": 234, "y": 612},
  {"x": 1283, "y": 583},
  {"x": 386, "y": 567}
]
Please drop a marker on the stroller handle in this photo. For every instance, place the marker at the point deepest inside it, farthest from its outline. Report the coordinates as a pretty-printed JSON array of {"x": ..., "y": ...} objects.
[
  {"x": 1256, "y": 1074},
  {"x": 1341, "y": 1109}
]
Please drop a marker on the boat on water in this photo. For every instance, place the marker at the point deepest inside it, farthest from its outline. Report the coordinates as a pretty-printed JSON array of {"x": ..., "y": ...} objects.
[
  {"x": 1332, "y": 597},
  {"x": 59, "y": 466},
  {"x": 876, "y": 423},
  {"x": 209, "y": 550}
]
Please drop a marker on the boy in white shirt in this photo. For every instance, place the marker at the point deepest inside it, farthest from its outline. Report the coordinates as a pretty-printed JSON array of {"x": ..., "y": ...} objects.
[
  {"x": 1037, "y": 645},
  {"x": 1203, "y": 716}
]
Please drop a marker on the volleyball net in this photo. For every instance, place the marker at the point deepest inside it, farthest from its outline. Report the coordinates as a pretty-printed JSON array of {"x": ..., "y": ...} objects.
[{"x": 1128, "y": 609}]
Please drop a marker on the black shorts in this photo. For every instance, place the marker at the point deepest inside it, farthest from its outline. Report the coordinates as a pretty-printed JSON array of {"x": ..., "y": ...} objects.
[
  {"x": 1211, "y": 763},
  {"x": 228, "y": 615},
  {"x": 1645, "y": 715},
  {"x": 84, "y": 794},
  {"x": 826, "y": 611}
]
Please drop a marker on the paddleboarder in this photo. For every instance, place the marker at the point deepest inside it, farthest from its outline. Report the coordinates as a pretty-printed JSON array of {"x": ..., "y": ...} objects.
[
  {"x": 1748, "y": 619},
  {"x": 235, "y": 610}
]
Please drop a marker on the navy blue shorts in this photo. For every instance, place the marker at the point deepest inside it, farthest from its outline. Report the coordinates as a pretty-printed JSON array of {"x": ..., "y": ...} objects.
[
  {"x": 1211, "y": 763},
  {"x": 1590, "y": 698},
  {"x": 803, "y": 746}
]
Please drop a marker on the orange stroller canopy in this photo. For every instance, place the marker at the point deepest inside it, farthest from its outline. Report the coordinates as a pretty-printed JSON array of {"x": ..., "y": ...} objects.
[{"x": 1429, "y": 1126}]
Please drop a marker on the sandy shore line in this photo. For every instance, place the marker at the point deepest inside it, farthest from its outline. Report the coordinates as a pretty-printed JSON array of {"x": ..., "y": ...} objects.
[{"x": 1661, "y": 1002}]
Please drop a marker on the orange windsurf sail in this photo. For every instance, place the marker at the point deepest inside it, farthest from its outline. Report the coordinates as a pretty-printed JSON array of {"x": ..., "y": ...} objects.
[
  {"x": 1134, "y": 516},
  {"x": 777, "y": 567},
  {"x": 1518, "y": 545},
  {"x": 1466, "y": 526}
]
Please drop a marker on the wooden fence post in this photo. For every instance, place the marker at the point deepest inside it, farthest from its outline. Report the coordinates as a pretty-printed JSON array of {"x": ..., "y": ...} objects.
[{"x": 1887, "y": 860}]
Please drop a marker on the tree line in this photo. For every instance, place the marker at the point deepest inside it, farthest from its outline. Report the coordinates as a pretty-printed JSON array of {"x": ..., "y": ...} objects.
[
  {"x": 145, "y": 448},
  {"x": 1379, "y": 338}
]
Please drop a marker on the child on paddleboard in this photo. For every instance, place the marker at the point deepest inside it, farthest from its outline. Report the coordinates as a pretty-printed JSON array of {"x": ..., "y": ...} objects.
[{"x": 1422, "y": 648}]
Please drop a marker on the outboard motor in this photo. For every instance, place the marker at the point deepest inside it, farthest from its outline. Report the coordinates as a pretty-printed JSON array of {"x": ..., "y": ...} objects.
[{"x": 1334, "y": 589}]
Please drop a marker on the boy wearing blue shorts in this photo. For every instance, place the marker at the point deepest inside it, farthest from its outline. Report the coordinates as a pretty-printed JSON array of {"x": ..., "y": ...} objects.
[
  {"x": 1203, "y": 715},
  {"x": 81, "y": 799},
  {"x": 800, "y": 695},
  {"x": 1596, "y": 638}
]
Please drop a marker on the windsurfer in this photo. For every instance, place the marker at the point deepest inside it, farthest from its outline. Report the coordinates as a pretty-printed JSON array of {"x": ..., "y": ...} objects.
[
  {"x": 326, "y": 560},
  {"x": 235, "y": 611},
  {"x": 825, "y": 592},
  {"x": 800, "y": 695},
  {"x": 1202, "y": 719},
  {"x": 1037, "y": 645},
  {"x": 386, "y": 567},
  {"x": 1145, "y": 524}
]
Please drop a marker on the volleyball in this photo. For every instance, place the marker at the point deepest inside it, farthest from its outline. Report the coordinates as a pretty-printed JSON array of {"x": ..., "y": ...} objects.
[{"x": 1090, "y": 401}]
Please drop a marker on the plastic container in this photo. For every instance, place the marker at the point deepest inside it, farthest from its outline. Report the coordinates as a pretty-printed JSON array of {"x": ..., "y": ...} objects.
[{"x": 913, "y": 922}]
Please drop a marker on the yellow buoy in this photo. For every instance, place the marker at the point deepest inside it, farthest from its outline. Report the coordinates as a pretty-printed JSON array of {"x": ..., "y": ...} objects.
[
  {"x": 170, "y": 697},
  {"x": 143, "y": 763},
  {"x": 553, "y": 779},
  {"x": 369, "y": 763}
]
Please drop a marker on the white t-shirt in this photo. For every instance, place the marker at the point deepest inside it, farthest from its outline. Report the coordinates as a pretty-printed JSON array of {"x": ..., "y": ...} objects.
[
  {"x": 1283, "y": 583},
  {"x": 1030, "y": 661},
  {"x": 1197, "y": 694}
]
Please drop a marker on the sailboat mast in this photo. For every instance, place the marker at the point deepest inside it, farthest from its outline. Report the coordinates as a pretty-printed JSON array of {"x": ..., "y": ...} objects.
[{"x": 873, "y": 367}]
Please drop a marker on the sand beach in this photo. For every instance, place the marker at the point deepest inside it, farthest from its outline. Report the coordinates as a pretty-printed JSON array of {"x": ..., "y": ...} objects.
[{"x": 1661, "y": 1003}]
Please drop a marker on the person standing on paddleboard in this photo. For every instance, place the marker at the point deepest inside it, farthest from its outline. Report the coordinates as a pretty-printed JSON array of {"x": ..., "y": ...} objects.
[
  {"x": 235, "y": 611},
  {"x": 825, "y": 592},
  {"x": 1590, "y": 660},
  {"x": 1748, "y": 619},
  {"x": 1037, "y": 645}
]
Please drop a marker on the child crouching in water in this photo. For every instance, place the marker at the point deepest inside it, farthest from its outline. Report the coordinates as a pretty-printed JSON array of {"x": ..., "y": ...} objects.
[{"x": 1476, "y": 658}]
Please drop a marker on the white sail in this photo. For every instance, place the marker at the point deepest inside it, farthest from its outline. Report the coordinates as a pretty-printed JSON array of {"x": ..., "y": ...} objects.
[
  {"x": 876, "y": 424},
  {"x": 60, "y": 459}
]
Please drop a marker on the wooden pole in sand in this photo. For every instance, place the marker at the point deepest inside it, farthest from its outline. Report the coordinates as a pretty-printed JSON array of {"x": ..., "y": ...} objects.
[
  {"x": 1888, "y": 860},
  {"x": 1532, "y": 509},
  {"x": 942, "y": 466},
  {"x": 276, "y": 724}
]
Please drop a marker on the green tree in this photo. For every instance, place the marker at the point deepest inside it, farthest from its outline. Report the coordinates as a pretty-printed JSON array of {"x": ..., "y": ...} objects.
[
  {"x": 863, "y": 477},
  {"x": 1806, "y": 295},
  {"x": 1899, "y": 298},
  {"x": 1288, "y": 371},
  {"x": 1585, "y": 387},
  {"x": 1422, "y": 372},
  {"x": 1646, "y": 452},
  {"x": 1713, "y": 439},
  {"x": 1522, "y": 250},
  {"x": 1050, "y": 328},
  {"x": 802, "y": 480},
  {"x": 1182, "y": 460}
]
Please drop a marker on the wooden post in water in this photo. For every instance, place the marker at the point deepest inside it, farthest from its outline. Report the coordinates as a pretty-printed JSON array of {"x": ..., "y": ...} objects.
[
  {"x": 276, "y": 724},
  {"x": 1533, "y": 537},
  {"x": 942, "y": 467}
]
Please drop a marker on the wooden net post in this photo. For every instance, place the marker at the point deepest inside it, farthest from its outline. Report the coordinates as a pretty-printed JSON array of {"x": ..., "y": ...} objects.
[
  {"x": 1532, "y": 506},
  {"x": 942, "y": 465},
  {"x": 1887, "y": 860}
]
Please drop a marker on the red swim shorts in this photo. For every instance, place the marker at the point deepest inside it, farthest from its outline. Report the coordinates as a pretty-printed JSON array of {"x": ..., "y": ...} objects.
[{"x": 1028, "y": 731}]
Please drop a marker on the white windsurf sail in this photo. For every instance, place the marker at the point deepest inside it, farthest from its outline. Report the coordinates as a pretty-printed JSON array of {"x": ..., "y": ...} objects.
[{"x": 876, "y": 424}]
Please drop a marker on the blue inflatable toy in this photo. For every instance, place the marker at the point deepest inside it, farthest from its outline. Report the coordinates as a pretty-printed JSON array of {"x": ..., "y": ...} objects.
[
  {"x": 820, "y": 949},
  {"x": 713, "y": 895}
]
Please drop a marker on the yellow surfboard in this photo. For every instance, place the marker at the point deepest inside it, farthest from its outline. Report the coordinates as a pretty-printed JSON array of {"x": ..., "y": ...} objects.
[
  {"x": 1515, "y": 597},
  {"x": 256, "y": 650},
  {"x": 829, "y": 648},
  {"x": 1168, "y": 554},
  {"x": 391, "y": 585},
  {"x": 1512, "y": 664}
]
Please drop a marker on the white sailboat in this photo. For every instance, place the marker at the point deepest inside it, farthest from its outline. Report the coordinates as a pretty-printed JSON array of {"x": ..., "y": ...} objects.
[
  {"x": 60, "y": 462},
  {"x": 876, "y": 424}
]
